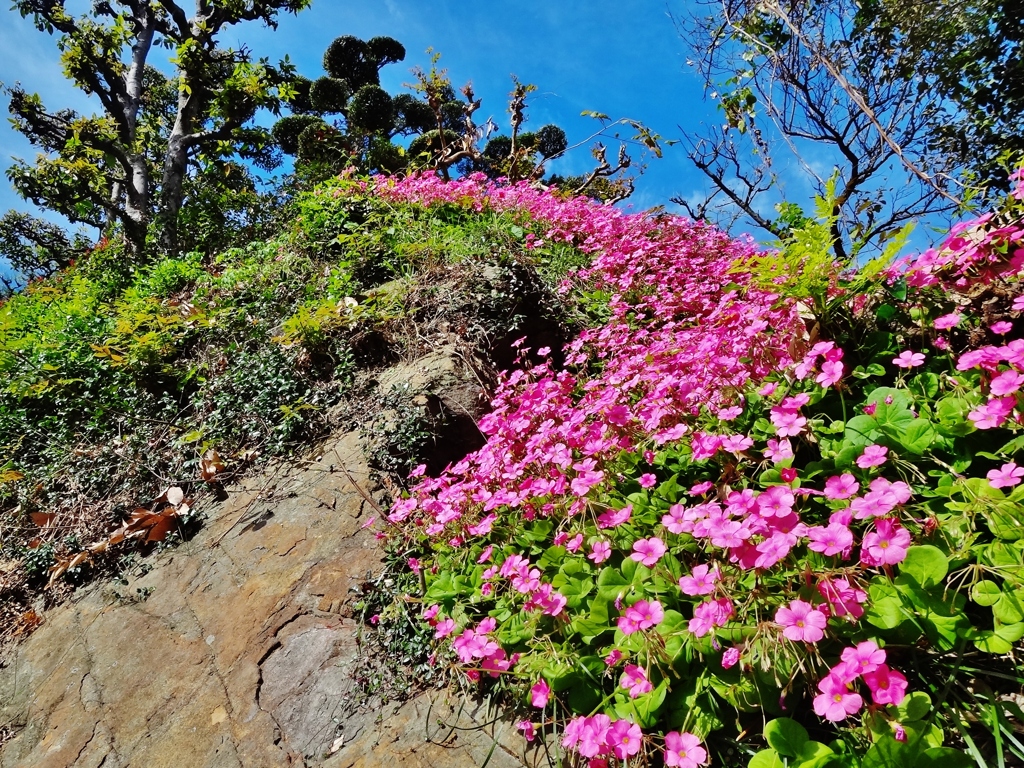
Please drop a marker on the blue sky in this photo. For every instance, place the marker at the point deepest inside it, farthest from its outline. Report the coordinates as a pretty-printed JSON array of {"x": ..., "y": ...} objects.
[{"x": 622, "y": 59}]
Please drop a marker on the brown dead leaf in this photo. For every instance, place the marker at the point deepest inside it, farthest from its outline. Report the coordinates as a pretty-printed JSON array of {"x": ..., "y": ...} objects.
[
  {"x": 211, "y": 465},
  {"x": 42, "y": 519},
  {"x": 65, "y": 564},
  {"x": 27, "y": 623},
  {"x": 162, "y": 526}
]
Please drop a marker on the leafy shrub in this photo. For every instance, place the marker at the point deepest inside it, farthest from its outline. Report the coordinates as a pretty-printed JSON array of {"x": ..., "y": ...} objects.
[{"x": 712, "y": 520}]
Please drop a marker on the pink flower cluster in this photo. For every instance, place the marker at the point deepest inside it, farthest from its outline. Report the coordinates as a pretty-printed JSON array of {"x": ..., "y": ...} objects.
[
  {"x": 676, "y": 343},
  {"x": 477, "y": 647},
  {"x": 1003, "y": 384},
  {"x": 599, "y": 736},
  {"x": 865, "y": 661},
  {"x": 974, "y": 249}
]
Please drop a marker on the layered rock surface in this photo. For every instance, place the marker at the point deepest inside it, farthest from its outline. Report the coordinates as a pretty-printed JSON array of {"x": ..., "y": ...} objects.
[{"x": 236, "y": 649}]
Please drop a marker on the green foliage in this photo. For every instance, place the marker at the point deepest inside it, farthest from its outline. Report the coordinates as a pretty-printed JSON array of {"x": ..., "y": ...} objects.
[
  {"x": 372, "y": 110},
  {"x": 116, "y": 374},
  {"x": 288, "y": 129},
  {"x": 128, "y": 165},
  {"x": 34, "y": 247},
  {"x": 350, "y": 59},
  {"x": 329, "y": 95}
]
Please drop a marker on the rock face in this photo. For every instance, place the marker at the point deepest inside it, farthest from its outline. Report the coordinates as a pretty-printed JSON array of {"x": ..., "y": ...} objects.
[{"x": 241, "y": 654}]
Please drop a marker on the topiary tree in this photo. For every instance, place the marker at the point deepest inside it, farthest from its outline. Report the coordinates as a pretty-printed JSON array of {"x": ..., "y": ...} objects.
[
  {"x": 287, "y": 130},
  {"x": 329, "y": 95},
  {"x": 372, "y": 110},
  {"x": 365, "y": 117}
]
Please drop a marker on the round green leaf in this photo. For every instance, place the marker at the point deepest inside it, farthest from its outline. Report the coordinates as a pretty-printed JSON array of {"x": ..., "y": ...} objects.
[
  {"x": 1009, "y": 609},
  {"x": 986, "y": 593},
  {"x": 785, "y": 736},
  {"x": 766, "y": 758},
  {"x": 914, "y": 706},
  {"x": 925, "y": 564},
  {"x": 944, "y": 757}
]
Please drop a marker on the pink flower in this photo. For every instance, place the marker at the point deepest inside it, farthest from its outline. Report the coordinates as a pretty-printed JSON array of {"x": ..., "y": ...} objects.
[
  {"x": 843, "y": 599},
  {"x": 789, "y": 474},
  {"x": 777, "y": 501},
  {"x": 887, "y": 685},
  {"x": 529, "y": 729},
  {"x": 841, "y": 486},
  {"x": 873, "y": 456},
  {"x": 701, "y": 582},
  {"x": 886, "y": 545},
  {"x": 1007, "y": 475},
  {"x": 647, "y": 613},
  {"x": 683, "y": 750},
  {"x": 908, "y": 359},
  {"x": 539, "y": 694},
  {"x": 787, "y": 423},
  {"x": 701, "y": 488},
  {"x": 730, "y": 413},
  {"x": 730, "y": 657},
  {"x": 802, "y": 622},
  {"x": 647, "y": 480},
  {"x": 865, "y": 657},
  {"x": 485, "y": 555},
  {"x": 430, "y": 613},
  {"x": 635, "y": 680},
  {"x": 831, "y": 373},
  {"x": 613, "y": 658},
  {"x": 1001, "y": 328},
  {"x": 599, "y": 552},
  {"x": 648, "y": 551},
  {"x": 831, "y": 540},
  {"x": 615, "y": 518},
  {"x": 1006, "y": 383},
  {"x": 675, "y": 520},
  {"x": 444, "y": 628},
  {"x": 592, "y": 739},
  {"x": 835, "y": 702},
  {"x": 947, "y": 321},
  {"x": 710, "y": 614},
  {"x": 993, "y": 413},
  {"x": 778, "y": 450},
  {"x": 1018, "y": 304},
  {"x": 624, "y": 738}
]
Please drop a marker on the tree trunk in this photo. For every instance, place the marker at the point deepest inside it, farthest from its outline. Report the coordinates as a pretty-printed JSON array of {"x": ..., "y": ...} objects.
[
  {"x": 172, "y": 189},
  {"x": 136, "y": 188}
]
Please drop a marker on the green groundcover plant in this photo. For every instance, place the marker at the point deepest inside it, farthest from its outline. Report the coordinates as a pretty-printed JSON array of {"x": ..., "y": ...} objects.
[{"x": 768, "y": 514}]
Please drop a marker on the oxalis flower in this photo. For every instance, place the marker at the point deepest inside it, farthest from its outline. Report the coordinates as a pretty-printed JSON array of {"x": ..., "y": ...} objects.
[
  {"x": 836, "y": 702},
  {"x": 887, "y": 686},
  {"x": 634, "y": 679},
  {"x": 701, "y": 582},
  {"x": 886, "y": 545},
  {"x": 625, "y": 739},
  {"x": 539, "y": 694},
  {"x": 1007, "y": 475},
  {"x": 642, "y": 614},
  {"x": 648, "y": 551},
  {"x": 684, "y": 750},
  {"x": 908, "y": 359},
  {"x": 873, "y": 456},
  {"x": 801, "y": 622}
]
